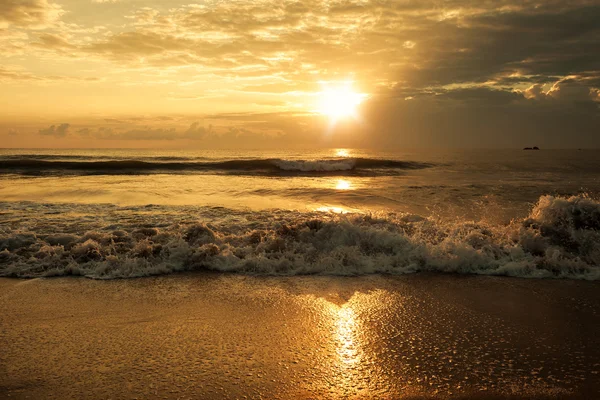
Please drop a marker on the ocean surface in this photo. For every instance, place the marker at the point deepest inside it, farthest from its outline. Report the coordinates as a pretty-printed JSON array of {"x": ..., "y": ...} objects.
[{"x": 109, "y": 214}]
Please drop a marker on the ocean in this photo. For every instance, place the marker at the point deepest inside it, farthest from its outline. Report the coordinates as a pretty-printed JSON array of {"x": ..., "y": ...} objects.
[{"x": 109, "y": 214}]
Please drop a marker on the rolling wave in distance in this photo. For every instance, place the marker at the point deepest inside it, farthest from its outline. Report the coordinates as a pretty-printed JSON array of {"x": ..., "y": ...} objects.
[{"x": 59, "y": 165}]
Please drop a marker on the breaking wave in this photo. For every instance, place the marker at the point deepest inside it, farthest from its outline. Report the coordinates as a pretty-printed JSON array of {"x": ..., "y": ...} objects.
[
  {"x": 560, "y": 238},
  {"x": 342, "y": 166}
]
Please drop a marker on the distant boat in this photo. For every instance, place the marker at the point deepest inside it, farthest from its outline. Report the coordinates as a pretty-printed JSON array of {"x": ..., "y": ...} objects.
[{"x": 531, "y": 148}]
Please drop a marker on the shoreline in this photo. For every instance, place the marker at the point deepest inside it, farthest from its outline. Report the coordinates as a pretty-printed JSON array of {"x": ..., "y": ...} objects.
[{"x": 213, "y": 335}]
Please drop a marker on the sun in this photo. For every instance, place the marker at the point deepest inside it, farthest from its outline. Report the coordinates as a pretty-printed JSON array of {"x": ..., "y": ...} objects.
[{"x": 340, "y": 101}]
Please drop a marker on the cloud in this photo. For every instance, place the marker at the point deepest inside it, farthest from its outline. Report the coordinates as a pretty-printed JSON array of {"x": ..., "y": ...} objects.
[
  {"x": 568, "y": 90},
  {"x": 565, "y": 93},
  {"x": 15, "y": 74},
  {"x": 13, "y": 132},
  {"x": 146, "y": 134},
  {"x": 476, "y": 118},
  {"x": 52, "y": 41},
  {"x": 535, "y": 92},
  {"x": 435, "y": 70},
  {"x": 84, "y": 132},
  {"x": 197, "y": 131},
  {"x": 28, "y": 13},
  {"x": 419, "y": 44},
  {"x": 113, "y": 132},
  {"x": 242, "y": 131},
  {"x": 480, "y": 96},
  {"x": 59, "y": 131},
  {"x": 138, "y": 44}
]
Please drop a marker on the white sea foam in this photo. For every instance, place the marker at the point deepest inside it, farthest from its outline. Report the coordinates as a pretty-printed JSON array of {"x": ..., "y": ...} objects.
[{"x": 559, "y": 239}]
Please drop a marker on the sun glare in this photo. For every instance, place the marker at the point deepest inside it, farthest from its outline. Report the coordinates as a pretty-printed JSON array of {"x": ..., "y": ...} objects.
[
  {"x": 342, "y": 153},
  {"x": 340, "y": 101},
  {"x": 342, "y": 184}
]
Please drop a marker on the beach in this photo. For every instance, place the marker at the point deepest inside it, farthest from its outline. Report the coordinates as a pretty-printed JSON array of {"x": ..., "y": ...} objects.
[
  {"x": 341, "y": 199},
  {"x": 214, "y": 335},
  {"x": 281, "y": 275}
]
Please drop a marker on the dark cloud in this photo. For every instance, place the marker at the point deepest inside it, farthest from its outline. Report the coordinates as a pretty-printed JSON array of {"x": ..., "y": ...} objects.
[
  {"x": 481, "y": 96},
  {"x": 532, "y": 44},
  {"x": 480, "y": 118},
  {"x": 565, "y": 94}
]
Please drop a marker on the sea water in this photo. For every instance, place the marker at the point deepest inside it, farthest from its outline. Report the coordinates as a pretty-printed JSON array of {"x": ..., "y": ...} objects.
[{"x": 131, "y": 213}]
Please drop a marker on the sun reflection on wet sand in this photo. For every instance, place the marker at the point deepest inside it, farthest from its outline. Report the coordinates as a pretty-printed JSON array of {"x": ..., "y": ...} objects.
[
  {"x": 346, "y": 326},
  {"x": 348, "y": 375}
]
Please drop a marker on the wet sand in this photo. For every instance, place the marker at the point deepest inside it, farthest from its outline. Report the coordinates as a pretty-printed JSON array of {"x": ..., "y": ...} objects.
[{"x": 231, "y": 336}]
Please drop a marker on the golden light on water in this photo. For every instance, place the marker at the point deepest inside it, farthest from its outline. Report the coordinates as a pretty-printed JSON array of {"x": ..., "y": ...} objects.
[
  {"x": 342, "y": 153},
  {"x": 343, "y": 185}
]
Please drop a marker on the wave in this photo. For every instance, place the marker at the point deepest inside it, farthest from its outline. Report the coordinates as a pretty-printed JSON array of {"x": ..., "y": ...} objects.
[
  {"x": 94, "y": 157},
  {"x": 560, "y": 238},
  {"x": 355, "y": 166}
]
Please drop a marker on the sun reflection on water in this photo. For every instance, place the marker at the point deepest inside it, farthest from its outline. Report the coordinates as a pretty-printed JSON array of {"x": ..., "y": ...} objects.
[
  {"x": 342, "y": 184},
  {"x": 342, "y": 153}
]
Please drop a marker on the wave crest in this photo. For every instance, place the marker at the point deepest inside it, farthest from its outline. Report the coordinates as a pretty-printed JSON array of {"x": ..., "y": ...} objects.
[
  {"x": 319, "y": 165},
  {"x": 560, "y": 238},
  {"x": 358, "y": 166}
]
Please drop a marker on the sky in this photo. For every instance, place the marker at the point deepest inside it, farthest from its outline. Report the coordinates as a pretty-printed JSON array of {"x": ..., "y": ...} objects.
[{"x": 257, "y": 73}]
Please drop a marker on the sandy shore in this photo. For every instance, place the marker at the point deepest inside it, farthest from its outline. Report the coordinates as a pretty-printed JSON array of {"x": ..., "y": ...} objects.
[{"x": 230, "y": 336}]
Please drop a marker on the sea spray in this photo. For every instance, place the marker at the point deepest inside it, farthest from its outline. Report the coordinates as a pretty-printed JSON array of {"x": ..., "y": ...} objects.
[{"x": 560, "y": 238}]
